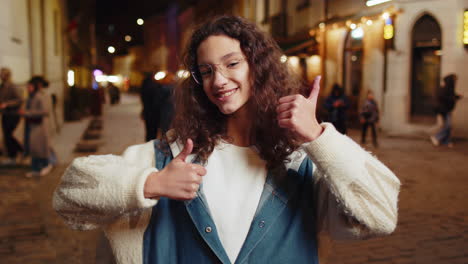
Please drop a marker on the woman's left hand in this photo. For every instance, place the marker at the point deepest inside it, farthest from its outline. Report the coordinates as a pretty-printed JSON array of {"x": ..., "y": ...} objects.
[{"x": 298, "y": 114}]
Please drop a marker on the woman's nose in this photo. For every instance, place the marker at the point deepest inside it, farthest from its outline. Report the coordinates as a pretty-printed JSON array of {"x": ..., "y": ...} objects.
[{"x": 219, "y": 79}]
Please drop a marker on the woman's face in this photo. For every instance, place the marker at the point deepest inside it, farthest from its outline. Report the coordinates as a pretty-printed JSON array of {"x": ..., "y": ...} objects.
[
  {"x": 30, "y": 88},
  {"x": 225, "y": 73}
]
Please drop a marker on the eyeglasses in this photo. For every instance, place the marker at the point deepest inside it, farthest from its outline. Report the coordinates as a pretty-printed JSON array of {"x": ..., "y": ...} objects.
[{"x": 205, "y": 73}]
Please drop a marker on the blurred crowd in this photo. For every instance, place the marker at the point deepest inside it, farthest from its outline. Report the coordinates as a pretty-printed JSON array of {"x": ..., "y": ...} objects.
[
  {"x": 337, "y": 104},
  {"x": 35, "y": 110}
]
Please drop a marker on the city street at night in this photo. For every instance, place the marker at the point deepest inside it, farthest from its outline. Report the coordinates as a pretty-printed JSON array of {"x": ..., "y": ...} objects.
[
  {"x": 246, "y": 91},
  {"x": 433, "y": 217}
]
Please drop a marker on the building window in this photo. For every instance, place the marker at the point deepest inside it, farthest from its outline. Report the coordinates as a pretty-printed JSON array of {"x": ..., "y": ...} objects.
[
  {"x": 301, "y": 4},
  {"x": 266, "y": 11},
  {"x": 279, "y": 28}
]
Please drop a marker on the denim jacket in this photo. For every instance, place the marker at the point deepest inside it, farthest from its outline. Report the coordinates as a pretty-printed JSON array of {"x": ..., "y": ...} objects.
[
  {"x": 282, "y": 231},
  {"x": 346, "y": 193}
]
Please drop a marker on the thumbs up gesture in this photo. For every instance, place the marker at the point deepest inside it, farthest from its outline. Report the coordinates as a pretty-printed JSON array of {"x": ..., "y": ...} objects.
[
  {"x": 298, "y": 114},
  {"x": 179, "y": 180}
]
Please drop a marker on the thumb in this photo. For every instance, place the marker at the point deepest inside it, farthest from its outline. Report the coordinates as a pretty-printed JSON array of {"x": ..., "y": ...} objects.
[
  {"x": 314, "y": 91},
  {"x": 186, "y": 151}
]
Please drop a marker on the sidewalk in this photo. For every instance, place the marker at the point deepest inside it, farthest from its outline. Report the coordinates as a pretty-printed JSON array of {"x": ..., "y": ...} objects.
[
  {"x": 433, "y": 216},
  {"x": 30, "y": 230}
]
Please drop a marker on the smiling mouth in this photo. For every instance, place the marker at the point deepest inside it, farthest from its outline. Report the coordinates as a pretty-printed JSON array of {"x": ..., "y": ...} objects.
[{"x": 222, "y": 95}]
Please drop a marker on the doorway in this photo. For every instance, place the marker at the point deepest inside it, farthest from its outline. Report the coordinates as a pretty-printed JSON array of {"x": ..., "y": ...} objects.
[
  {"x": 426, "y": 60},
  {"x": 352, "y": 74}
]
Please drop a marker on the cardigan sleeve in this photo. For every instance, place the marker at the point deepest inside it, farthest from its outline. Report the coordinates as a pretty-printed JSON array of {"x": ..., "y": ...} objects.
[
  {"x": 356, "y": 194},
  {"x": 98, "y": 189}
]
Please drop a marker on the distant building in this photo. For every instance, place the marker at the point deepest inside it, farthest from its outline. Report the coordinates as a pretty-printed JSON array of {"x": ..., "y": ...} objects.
[
  {"x": 400, "y": 49},
  {"x": 33, "y": 43}
]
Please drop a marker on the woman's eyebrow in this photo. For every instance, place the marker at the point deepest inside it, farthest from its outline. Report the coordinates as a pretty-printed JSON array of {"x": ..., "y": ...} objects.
[
  {"x": 224, "y": 57},
  {"x": 227, "y": 56}
]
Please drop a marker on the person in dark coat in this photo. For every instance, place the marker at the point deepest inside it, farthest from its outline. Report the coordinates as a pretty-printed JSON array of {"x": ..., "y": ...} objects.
[
  {"x": 337, "y": 104},
  {"x": 10, "y": 102},
  {"x": 151, "y": 109},
  {"x": 166, "y": 109},
  {"x": 446, "y": 100},
  {"x": 369, "y": 117}
]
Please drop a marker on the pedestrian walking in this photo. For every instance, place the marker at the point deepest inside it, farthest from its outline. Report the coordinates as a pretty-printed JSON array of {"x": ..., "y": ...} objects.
[
  {"x": 150, "y": 112},
  {"x": 337, "y": 104},
  {"x": 246, "y": 175},
  {"x": 446, "y": 101},
  {"x": 166, "y": 110},
  {"x": 10, "y": 102},
  {"x": 37, "y": 113},
  {"x": 114, "y": 93},
  {"x": 369, "y": 117}
]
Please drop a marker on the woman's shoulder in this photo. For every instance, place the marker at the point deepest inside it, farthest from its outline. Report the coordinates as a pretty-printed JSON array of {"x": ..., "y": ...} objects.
[{"x": 140, "y": 153}]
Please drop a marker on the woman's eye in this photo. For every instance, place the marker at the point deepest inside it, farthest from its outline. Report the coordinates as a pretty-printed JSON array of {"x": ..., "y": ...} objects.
[
  {"x": 233, "y": 64},
  {"x": 204, "y": 72}
]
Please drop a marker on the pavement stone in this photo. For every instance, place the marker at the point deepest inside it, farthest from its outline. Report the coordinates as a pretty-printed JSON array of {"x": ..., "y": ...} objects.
[
  {"x": 433, "y": 216},
  {"x": 30, "y": 230},
  {"x": 433, "y": 213}
]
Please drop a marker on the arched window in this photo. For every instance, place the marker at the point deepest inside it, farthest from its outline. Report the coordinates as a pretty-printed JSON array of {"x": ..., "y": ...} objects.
[{"x": 427, "y": 44}]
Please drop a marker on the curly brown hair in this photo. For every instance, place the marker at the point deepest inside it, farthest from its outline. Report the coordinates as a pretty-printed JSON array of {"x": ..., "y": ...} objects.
[{"x": 199, "y": 119}]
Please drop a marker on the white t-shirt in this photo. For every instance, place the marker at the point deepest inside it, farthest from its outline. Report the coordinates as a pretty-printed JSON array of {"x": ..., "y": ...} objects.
[{"x": 233, "y": 186}]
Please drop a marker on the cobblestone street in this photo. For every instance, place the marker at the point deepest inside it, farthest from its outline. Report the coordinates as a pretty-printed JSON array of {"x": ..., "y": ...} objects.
[{"x": 433, "y": 211}]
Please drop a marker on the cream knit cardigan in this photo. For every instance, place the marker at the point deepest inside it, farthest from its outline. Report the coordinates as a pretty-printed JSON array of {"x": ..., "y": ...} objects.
[{"x": 357, "y": 194}]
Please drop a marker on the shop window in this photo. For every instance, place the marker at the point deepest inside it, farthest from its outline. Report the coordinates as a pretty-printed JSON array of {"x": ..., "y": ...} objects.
[{"x": 426, "y": 57}]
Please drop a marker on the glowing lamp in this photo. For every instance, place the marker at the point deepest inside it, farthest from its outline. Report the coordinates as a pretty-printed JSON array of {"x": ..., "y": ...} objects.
[
  {"x": 71, "y": 78},
  {"x": 160, "y": 75},
  {"x": 376, "y": 2},
  {"x": 465, "y": 28}
]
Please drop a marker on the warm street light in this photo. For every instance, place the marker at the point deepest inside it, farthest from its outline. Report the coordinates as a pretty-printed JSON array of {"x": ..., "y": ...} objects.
[
  {"x": 385, "y": 15},
  {"x": 140, "y": 21},
  {"x": 283, "y": 58},
  {"x": 160, "y": 75},
  {"x": 376, "y": 2},
  {"x": 357, "y": 33},
  {"x": 183, "y": 74},
  {"x": 128, "y": 38},
  {"x": 465, "y": 28},
  {"x": 71, "y": 78},
  {"x": 111, "y": 49}
]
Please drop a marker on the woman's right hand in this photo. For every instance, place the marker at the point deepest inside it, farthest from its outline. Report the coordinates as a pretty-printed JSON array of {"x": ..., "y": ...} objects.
[{"x": 179, "y": 180}]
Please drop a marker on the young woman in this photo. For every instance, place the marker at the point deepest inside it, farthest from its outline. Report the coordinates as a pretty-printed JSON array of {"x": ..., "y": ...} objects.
[
  {"x": 36, "y": 115},
  {"x": 247, "y": 175}
]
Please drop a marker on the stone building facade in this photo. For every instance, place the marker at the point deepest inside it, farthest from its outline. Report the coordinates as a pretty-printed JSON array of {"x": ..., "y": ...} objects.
[
  {"x": 32, "y": 43},
  {"x": 345, "y": 42}
]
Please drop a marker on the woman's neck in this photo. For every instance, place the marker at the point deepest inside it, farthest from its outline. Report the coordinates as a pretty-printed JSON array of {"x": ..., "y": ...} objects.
[{"x": 239, "y": 127}]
